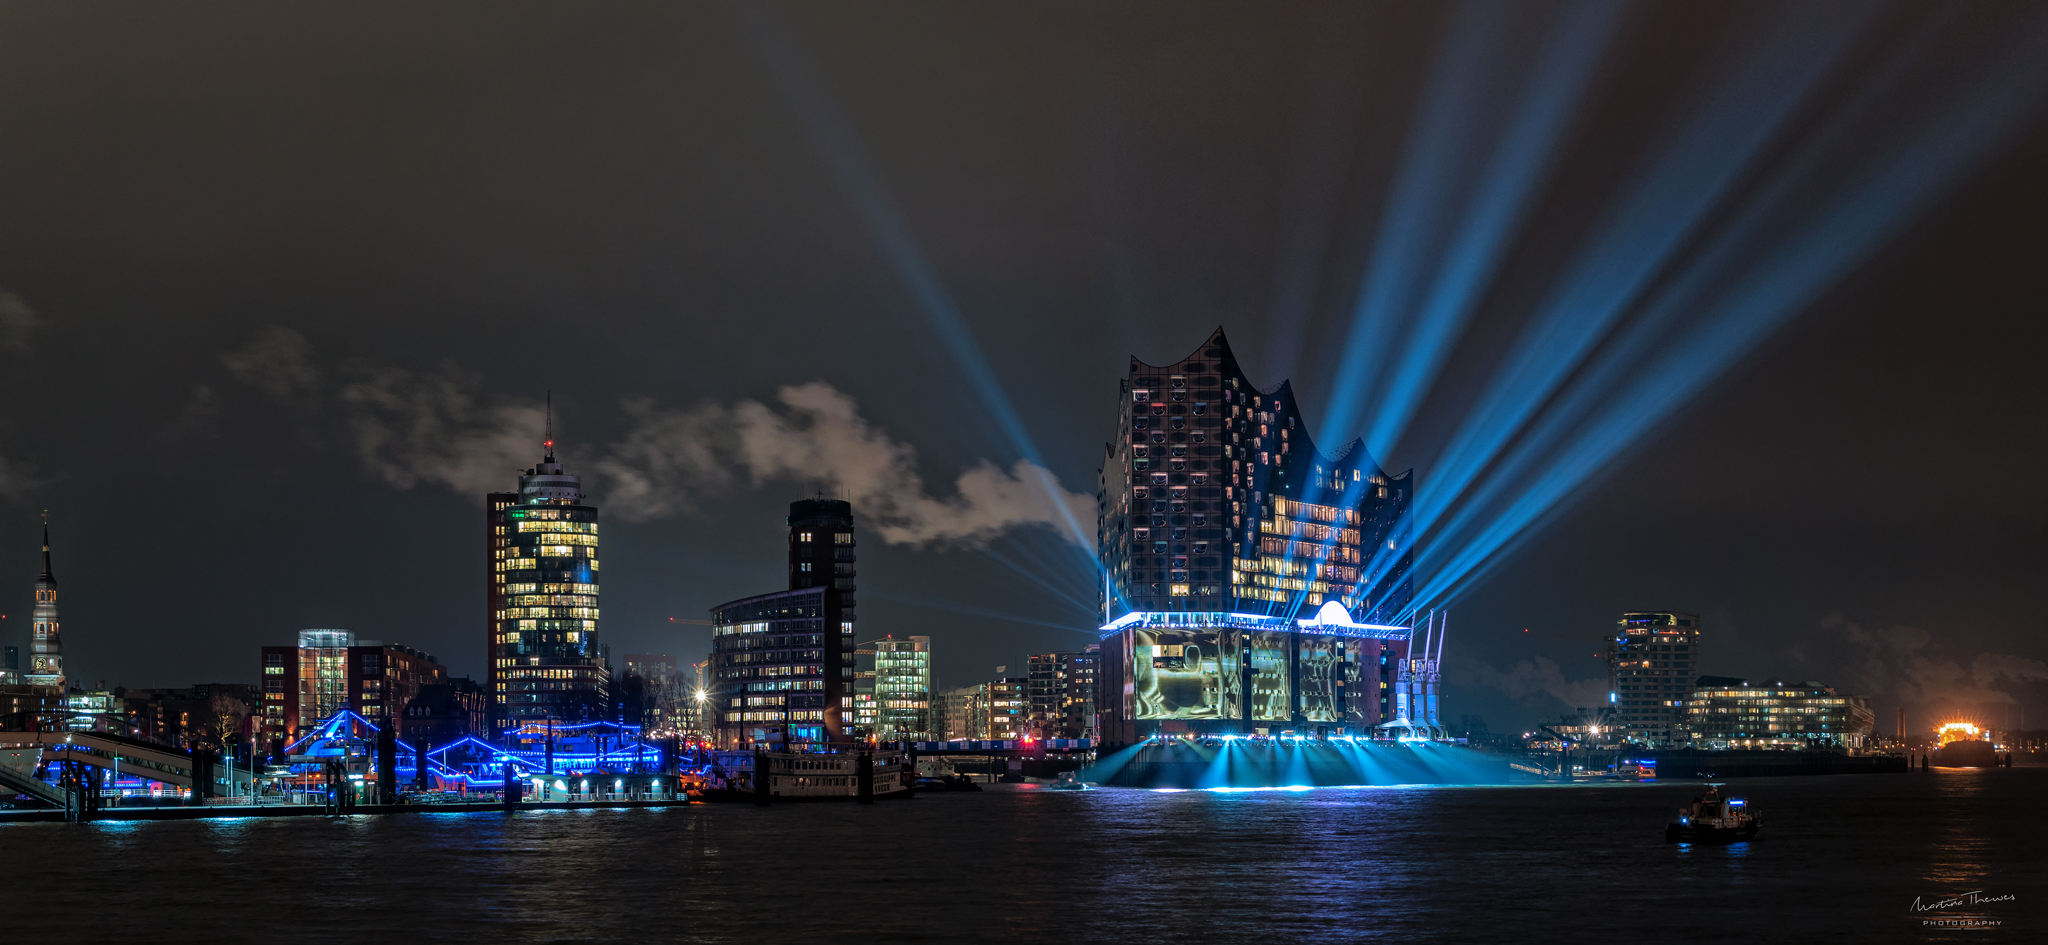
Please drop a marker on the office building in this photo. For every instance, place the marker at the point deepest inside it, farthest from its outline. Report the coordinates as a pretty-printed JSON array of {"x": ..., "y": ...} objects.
[
  {"x": 46, "y": 645},
  {"x": 864, "y": 714},
  {"x": 203, "y": 714},
  {"x": 650, "y": 694},
  {"x": 656, "y": 668},
  {"x": 545, "y": 659},
  {"x": 1250, "y": 581},
  {"x": 1063, "y": 693},
  {"x": 330, "y": 671},
  {"x": 24, "y": 707},
  {"x": 1009, "y": 706},
  {"x": 897, "y": 696},
  {"x": 903, "y": 688},
  {"x": 446, "y": 712},
  {"x": 961, "y": 713},
  {"x": 1652, "y": 658},
  {"x": 10, "y": 666},
  {"x": 97, "y": 710},
  {"x": 782, "y": 664},
  {"x": 1727, "y": 712}
]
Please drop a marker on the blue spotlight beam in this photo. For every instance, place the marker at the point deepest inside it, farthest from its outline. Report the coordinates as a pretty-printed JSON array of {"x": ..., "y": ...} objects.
[
  {"x": 1834, "y": 201},
  {"x": 1423, "y": 221},
  {"x": 1739, "y": 114},
  {"x": 917, "y": 600},
  {"x": 838, "y": 145},
  {"x": 1032, "y": 573},
  {"x": 1662, "y": 209},
  {"x": 1494, "y": 213}
]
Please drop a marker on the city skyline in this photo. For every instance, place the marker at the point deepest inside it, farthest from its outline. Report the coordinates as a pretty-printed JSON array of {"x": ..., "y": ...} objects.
[
  {"x": 1856, "y": 475},
  {"x": 1208, "y": 471}
]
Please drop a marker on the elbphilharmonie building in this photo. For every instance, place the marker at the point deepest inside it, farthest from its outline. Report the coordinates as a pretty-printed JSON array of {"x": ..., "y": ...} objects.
[{"x": 1250, "y": 581}]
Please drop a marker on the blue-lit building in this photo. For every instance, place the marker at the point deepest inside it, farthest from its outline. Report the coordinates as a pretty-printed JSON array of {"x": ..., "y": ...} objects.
[{"x": 1249, "y": 580}]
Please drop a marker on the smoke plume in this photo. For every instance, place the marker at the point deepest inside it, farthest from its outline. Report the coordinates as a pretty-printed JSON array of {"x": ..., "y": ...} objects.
[
  {"x": 437, "y": 428},
  {"x": 1530, "y": 679},
  {"x": 17, "y": 322},
  {"x": 673, "y": 460},
  {"x": 279, "y": 362},
  {"x": 1891, "y": 662},
  {"x": 442, "y": 428}
]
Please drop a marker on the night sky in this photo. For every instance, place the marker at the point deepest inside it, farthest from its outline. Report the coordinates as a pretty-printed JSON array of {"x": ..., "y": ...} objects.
[{"x": 285, "y": 287}]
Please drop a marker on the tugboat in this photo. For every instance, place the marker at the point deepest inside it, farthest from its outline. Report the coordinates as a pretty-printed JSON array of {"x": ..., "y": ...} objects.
[
  {"x": 1068, "y": 781},
  {"x": 1714, "y": 819}
]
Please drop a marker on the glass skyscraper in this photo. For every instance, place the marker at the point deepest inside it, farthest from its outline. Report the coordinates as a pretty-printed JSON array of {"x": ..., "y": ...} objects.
[
  {"x": 902, "y": 688},
  {"x": 546, "y": 659}
]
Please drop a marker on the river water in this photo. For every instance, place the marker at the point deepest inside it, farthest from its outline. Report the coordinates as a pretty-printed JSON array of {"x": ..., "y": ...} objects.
[{"x": 1841, "y": 858}]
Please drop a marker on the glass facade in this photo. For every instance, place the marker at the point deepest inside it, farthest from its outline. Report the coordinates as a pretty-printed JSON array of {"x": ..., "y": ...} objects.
[
  {"x": 902, "y": 691},
  {"x": 1213, "y": 497},
  {"x": 323, "y": 674},
  {"x": 546, "y": 657}
]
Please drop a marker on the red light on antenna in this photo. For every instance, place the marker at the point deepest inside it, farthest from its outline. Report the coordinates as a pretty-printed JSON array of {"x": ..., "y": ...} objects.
[{"x": 548, "y": 443}]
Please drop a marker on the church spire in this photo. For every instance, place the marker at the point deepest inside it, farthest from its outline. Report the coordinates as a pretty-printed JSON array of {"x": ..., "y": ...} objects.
[
  {"x": 46, "y": 577},
  {"x": 46, "y": 644}
]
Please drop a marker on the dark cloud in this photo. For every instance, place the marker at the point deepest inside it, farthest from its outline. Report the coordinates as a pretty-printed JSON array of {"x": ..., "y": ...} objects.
[
  {"x": 17, "y": 322},
  {"x": 279, "y": 361}
]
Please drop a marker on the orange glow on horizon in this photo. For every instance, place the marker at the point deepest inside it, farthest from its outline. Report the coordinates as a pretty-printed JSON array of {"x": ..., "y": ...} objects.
[{"x": 1958, "y": 732}]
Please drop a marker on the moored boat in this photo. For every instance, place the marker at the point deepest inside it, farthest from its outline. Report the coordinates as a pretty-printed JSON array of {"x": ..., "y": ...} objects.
[{"x": 832, "y": 775}]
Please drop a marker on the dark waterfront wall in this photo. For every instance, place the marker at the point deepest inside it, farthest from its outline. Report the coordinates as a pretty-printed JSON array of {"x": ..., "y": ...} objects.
[{"x": 1752, "y": 764}]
